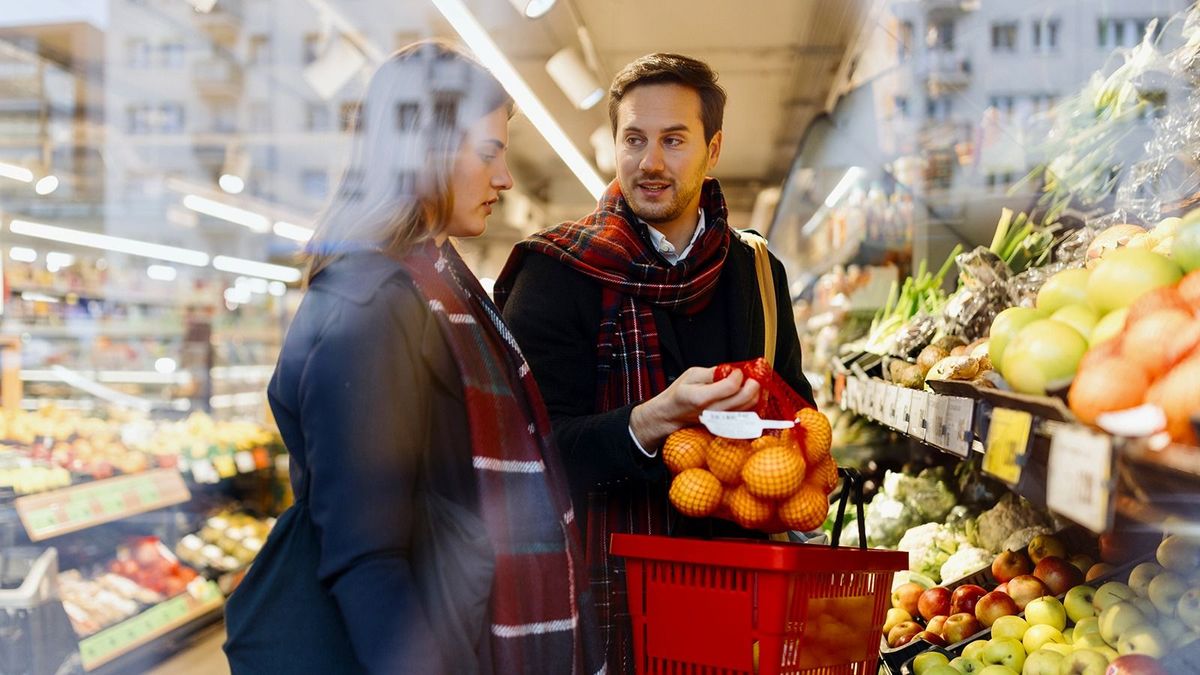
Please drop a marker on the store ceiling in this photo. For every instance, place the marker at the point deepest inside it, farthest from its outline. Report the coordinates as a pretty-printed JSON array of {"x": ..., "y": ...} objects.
[{"x": 778, "y": 60}]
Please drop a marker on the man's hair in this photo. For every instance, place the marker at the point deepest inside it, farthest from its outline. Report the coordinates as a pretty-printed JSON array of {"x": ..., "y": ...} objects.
[{"x": 675, "y": 69}]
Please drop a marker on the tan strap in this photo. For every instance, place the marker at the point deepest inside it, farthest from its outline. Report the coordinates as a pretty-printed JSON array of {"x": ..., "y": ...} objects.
[{"x": 766, "y": 291}]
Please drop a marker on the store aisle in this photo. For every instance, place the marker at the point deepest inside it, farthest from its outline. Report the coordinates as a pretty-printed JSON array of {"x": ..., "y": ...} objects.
[{"x": 202, "y": 658}]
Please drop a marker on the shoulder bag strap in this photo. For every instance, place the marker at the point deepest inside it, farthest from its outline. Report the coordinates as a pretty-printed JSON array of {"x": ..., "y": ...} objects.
[{"x": 766, "y": 291}]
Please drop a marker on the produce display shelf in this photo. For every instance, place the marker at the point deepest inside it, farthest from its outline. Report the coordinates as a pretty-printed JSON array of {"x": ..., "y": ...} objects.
[
  {"x": 183, "y": 613},
  {"x": 78, "y": 507},
  {"x": 75, "y": 331}
]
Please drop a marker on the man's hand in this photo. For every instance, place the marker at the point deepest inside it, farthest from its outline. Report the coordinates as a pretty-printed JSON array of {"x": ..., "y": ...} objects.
[{"x": 681, "y": 403}]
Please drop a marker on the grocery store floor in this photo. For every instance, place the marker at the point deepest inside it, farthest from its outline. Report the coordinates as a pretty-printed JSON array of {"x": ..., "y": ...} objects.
[{"x": 204, "y": 657}]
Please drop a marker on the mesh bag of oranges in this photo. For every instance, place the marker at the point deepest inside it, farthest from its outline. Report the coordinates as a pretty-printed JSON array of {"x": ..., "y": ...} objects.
[{"x": 780, "y": 481}]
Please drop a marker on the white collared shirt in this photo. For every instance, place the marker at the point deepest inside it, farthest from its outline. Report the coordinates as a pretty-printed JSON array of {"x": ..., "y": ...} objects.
[{"x": 667, "y": 249}]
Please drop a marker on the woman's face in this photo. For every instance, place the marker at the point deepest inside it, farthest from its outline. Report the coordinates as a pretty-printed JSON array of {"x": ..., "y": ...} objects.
[{"x": 480, "y": 173}]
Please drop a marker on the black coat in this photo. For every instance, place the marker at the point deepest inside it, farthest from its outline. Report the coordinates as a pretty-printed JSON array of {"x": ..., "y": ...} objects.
[
  {"x": 554, "y": 313},
  {"x": 365, "y": 380}
]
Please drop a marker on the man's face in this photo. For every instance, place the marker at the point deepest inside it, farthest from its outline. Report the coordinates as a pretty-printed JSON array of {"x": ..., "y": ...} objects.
[{"x": 662, "y": 158}]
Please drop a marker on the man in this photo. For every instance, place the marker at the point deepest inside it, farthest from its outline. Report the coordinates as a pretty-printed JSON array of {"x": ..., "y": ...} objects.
[{"x": 624, "y": 314}]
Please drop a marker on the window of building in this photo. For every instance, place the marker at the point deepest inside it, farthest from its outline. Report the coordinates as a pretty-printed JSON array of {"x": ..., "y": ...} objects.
[
  {"x": 407, "y": 115},
  {"x": 171, "y": 118},
  {"x": 904, "y": 41},
  {"x": 312, "y": 47},
  {"x": 901, "y": 105},
  {"x": 1004, "y": 36},
  {"x": 139, "y": 53},
  {"x": 938, "y": 109},
  {"x": 1045, "y": 35},
  {"x": 224, "y": 119},
  {"x": 171, "y": 54},
  {"x": 258, "y": 50},
  {"x": 941, "y": 35},
  {"x": 317, "y": 117},
  {"x": 348, "y": 119},
  {"x": 445, "y": 112},
  {"x": 314, "y": 183},
  {"x": 1003, "y": 104},
  {"x": 139, "y": 119}
]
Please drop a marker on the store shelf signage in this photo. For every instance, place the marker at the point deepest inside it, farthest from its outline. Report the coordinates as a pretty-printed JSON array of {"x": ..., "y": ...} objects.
[
  {"x": 960, "y": 413},
  {"x": 1079, "y": 477},
  {"x": 903, "y": 404},
  {"x": 918, "y": 411},
  {"x": 891, "y": 395},
  {"x": 1007, "y": 443},
  {"x": 51, "y": 514},
  {"x": 110, "y": 643}
]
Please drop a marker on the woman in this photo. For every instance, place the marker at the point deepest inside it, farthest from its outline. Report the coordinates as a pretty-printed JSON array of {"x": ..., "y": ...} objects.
[{"x": 430, "y": 506}]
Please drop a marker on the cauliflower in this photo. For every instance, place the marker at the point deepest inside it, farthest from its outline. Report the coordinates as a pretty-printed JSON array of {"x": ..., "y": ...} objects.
[
  {"x": 1018, "y": 540},
  {"x": 927, "y": 493},
  {"x": 997, "y": 524},
  {"x": 929, "y": 546},
  {"x": 965, "y": 561},
  {"x": 887, "y": 519}
]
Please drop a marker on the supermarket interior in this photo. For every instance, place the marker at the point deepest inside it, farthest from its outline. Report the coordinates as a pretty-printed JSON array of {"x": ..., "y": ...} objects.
[{"x": 988, "y": 212}]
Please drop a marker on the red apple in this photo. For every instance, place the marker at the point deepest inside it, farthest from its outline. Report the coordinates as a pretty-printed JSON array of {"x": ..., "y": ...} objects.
[
  {"x": 963, "y": 598},
  {"x": 1058, "y": 574},
  {"x": 906, "y": 596},
  {"x": 1027, "y": 588},
  {"x": 961, "y": 626},
  {"x": 933, "y": 602},
  {"x": 937, "y": 624},
  {"x": 1011, "y": 564},
  {"x": 993, "y": 606},
  {"x": 903, "y": 633},
  {"x": 1003, "y": 588},
  {"x": 930, "y": 637},
  {"x": 1135, "y": 664}
]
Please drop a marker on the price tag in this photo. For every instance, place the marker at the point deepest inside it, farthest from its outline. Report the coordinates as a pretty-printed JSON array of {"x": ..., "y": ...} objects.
[
  {"x": 262, "y": 458},
  {"x": 878, "y": 398},
  {"x": 51, "y": 514},
  {"x": 848, "y": 402},
  {"x": 960, "y": 414},
  {"x": 888, "y": 414},
  {"x": 1079, "y": 477},
  {"x": 903, "y": 404},
  {"x": 225, "y": 466},
  {"x": 917, "y": 413},
  {"x": 204, "y": 472},
  {"x": 108, "y": 644},
  {"x": 1007, "y": 443},
  {"x": 936, "y": 431},
  {"x": 245, "y": 461}
]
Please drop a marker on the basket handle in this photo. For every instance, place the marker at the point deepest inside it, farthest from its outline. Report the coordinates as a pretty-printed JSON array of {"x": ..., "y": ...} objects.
[{"x": 851, "y": 479}]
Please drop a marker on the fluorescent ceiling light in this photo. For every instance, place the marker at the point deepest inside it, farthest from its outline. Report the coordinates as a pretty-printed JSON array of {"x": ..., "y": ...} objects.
[
  {"x": 162, "y": 272},
  {"x": 848, "y": 179},
  {"x": 532, "y": 9},
  {"x": 46, "y": 185},
  {"x": 106, "y": 242},
  {"x": 256, "y": 269},
  {"x": 277, "y": 288},
  {"x": 231, "y": 183},
  {"x": 469, "y": 29},
  {"x": 56, "y": 260},
  {"x": 572, "y": 75},
  {"x": 292, "y": 231},
  {"x": 16, "y": 172},
  {"x": 211, "y": 207},
  {"x": 165, "y": 365},
  {"x": 22, "y": 254}
]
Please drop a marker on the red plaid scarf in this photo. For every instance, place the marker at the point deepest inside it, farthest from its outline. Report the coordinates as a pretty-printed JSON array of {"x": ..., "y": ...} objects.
[
  {"x": 608, "y": 246},
  {"x": 541, "y": 610}
]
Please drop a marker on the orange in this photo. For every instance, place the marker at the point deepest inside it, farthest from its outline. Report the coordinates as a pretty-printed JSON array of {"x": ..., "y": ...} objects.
[
  {"x": 749, "y": 511},
  {"x": 774, "y": 473},
  {"x": 823, "y": 475},
  {"x": 766, "y": 441},
  {"x": 818, "y": 436},
  {"x": 686, "y": 449},
  {"x": 696, "y": 493},
  {"x": 806, "y": 510},
  {"x": 726, "y": 457}
]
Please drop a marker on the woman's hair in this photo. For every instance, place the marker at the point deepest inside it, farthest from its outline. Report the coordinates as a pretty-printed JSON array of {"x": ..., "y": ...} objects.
[{"x": 395, "y": 192}]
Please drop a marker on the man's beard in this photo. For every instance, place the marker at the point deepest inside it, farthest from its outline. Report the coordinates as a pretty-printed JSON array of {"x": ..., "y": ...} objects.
[{"x": 654, "y": 213}]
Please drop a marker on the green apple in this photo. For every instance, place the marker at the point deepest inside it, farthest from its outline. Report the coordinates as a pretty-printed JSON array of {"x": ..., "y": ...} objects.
[
  {"x": 1039, "y": 635},
  {"x": 1065, "y": 650},
  {"x": 1179, "y": 554},
  {"x": 1110, "y": 594},
  {"x": 974, "y": 650},
  {"x": 1042, "y": 662},
  {"x": 998, "y": 670},
  {"x": 1089, "y": 641},
  {"x": 1147, "y": 608},
  {"x": 965, "y": 665},
  {"x": 1146, "y": 640},
  {"x": 1188, "y": 609},
  {"x": 941, "y": 670},
  {"x": 1139, "y": 578},
  {"x": 1005, "y": 652},
  {"x": 1046, "y": 611},
  {"x": 1069, "y": 634},
  {"x": 1172, "y": 628},
  {"x": 1083, "y": 662},
  {"x": 1087, "y": 625},
  {"x": 1119, "y": 618},
  {"x": 1010, "y": 627},
  {"x": 1078, "y": 603},
  {"x": 927, "y": 660},
  {"x": 1165, "y": 590},
  {"x": 1108, "y": 652},
  {"x": 1005, "y": 326},
  {"x": 1080, "y": 317}
]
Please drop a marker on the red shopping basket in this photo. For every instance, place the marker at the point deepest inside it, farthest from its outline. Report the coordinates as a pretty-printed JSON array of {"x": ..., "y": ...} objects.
[{"x": 702, "y": 606}]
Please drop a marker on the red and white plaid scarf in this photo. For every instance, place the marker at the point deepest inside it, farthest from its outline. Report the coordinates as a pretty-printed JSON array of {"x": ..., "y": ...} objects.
[{"x": 542, "y": 613}]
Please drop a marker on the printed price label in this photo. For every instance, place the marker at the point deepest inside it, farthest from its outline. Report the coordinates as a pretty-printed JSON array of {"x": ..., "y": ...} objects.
[
  {"x": 903, "y": 404},
  {"x": 203, "y": 472},
  {"x": 225, "y": 466},
  {"x": 1079, "y": 477},
  {"x": 918, "y": 410},
  {"x": 888, "y": 414},
  {"x": 51, "y": 514},
  {"x": 936, "y": 431},
  {"x": 960, "y": 413},
  {"x": 245, "y": 461},
  {"x": 1007, "y": 443},
  {"x": 138, "y": 630}
]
